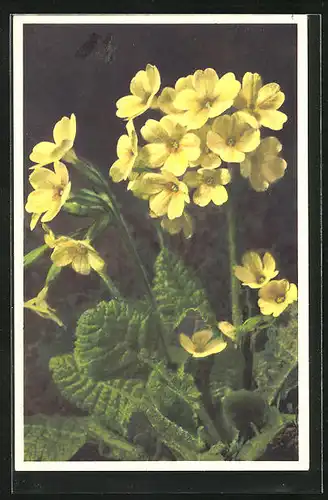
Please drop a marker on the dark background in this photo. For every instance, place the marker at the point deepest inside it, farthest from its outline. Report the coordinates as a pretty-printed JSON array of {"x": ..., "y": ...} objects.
[{"x": 57, "y": 83}]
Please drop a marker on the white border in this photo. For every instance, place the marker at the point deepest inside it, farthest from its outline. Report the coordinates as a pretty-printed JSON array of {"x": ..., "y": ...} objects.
[{"x": 303, "y": 258}]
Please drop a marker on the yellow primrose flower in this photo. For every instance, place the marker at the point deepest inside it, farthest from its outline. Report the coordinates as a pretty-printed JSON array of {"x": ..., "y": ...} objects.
[
  {"x": 77, "y": 253},
  {"x": 200, "y": 344},
  {"x": 52, "y": 188},
  {"x": 49, "y": 152},
  {"x": 209, "y": 97},
  {"x": 256, "y": 272},
  {"x": 168, "y": 95},
  {"x": 171, "y": 146},
  {"x": 207, "y": 158},
  {"x": 143, "y": 87},
  {"x": 40, "y": 306},
  {"x": 210, "y": 185},
  {"x": 167, "y": 195},
  {"x": 276, "y": 296},
  {"x": 227, "y": 329},
  {"x": 259, "y": 103},
  {"x": 231, "y": 137},
  {"x": 263, "y": 166},
  {"x": 175, "y": 226},
  {"x": 127, "y": 152}
]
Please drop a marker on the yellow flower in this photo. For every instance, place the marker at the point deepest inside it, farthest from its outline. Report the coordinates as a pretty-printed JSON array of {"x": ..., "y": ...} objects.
[
  {"x": 256, "y": 272},
  {"x": 263, "y": 166},
  {"x": 127, "y": 152},
  {"x": 231, "y": 137},
  {"x": 171, "y": 146},
  {"x": 49, "y": 152},
  {"x": 276, "y": 296},
  {"x": 259, "y": 103},
  {"x": 52, "y": 188},
  {"x": 167, "y": 195},
  {"x": 168, "y": 95},
  {"x": 207, "y": 158},
  {"x": 227, "y": 329},
  {"x": 200, "y": 344},
  {"x": 209, "y": 97},
  {"x": 40, "y": 306},
  {"x": 175, "y": 226},
  {"x": 77, "y": 253},
  {"x": 144, "y": 85},
  {"x": 210, "y": 185}
]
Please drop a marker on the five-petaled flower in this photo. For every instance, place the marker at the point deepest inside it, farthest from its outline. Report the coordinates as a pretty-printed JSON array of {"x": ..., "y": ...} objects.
[
  {"x": 77, "y": 253},
  {"x": 256, "y": 272},
  {"x": 144, "y": 85},
  {"x": 167, "y": 195},
  {"x": 51, "y": 190},
  {"x": 40, "y": 306},
  {"x": 209, "y": 97},
  {"x": 127, "y": 152},
  {"x": 276, "y": 296},
  {"x": 49, "y": 152},
  {"x": 202, "y": 344},
  {"x": 166, "y": 98},
  {"x": 263, "y": 166},
  {"x": 231, "y": 137},
  {"x": 170, "y": 145},
  {"x": 210, "y": 185},
  {"x": 259, "y": 103}
]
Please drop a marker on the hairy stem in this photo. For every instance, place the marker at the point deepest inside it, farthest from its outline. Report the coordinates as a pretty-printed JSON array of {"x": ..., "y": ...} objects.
[{"x": 234, "y": 283}]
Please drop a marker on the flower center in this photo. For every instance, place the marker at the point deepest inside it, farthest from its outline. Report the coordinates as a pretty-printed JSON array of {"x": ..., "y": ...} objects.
[
  {"x": 280, "y": 299},
  {"x": 261, "y": 279},
  {"x": 210, "y": 181},
  {"x": 174, "y": 146},
  {"x": 231, "y": 141},
  {"x": 58, "y": 193},
  {"x": 200, "y": 348},
  {"x": 172, "y": 187},
  {"x": 207, "y": 104},
  {"x": 81, "y": 249}
]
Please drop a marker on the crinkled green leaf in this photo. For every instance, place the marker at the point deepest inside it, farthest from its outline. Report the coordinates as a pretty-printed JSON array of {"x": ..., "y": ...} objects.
[
  {"x": 54, "y": 438},
  {"x": 109, "y": 337},
  {"x": 272, "y": 366},
  {"x": 177, "y": 290},
  {"x": 114, "y": 401}
]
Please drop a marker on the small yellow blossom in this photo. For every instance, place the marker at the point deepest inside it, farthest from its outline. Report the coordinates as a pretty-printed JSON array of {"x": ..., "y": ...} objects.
[
  {"x": 49, "y": 152},
  {"x": 263, "y": 166},
  {"x": 77, "y": 253},
  {"x": 51, "y": 190},
  {"x": 227, "y": 329},
  {"x": 210, "y": 185},
  {"x": 167, "y": 195},
  {"x": 182, "y": 224},
  {"x": 256, "y": 272},
  {"x": 209, "y": 97},
  {"x": 276, "y": 296},
  {"x": 200, "y": 344},
  {"x": 168, "y": 95},
  {"x": 41, "y": 307},
  {"x": 171, "y": 146},
  {"x": 127, "y": 152},
  {"x": 259, "y": 103},
  {"x": 207, "y": 158},
  {"x": 143, "y": 87},
  {"x": 231, "y": 137}
]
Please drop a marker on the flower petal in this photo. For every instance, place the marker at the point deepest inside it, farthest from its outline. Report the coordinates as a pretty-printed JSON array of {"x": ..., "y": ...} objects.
[
  {"x": 192, "y": 179},
  {"x": 227, "y": 87},
  {"x": 43, "y": 153},
  {"x": 251, "y": 84},
  {"x": 43, "y": 178},
  {"x": 244, "y": 275},
  {"x": 204, "y": 82},
  {"x": 65, "y": 130},
  {"x": 81, "y": 265},
  {"x": 201, "y": 338},
  {"x": 253, "y": 262},
  {"x": 186, "y": 343},
  {"x": 39, "y": 201},
  {"x": 153, "y": 131},
  {"x": 63, "y": 254},
  {"x": 159, "y": 203},
  {"x": 95, "y": 261},
  {"x": 186, "y": 99},
  {"x": 176, "y": 205},
  {"x": 269, "y": 263},
  {"x": 34, "y": 220},
  {"x": 130, "y": 106},
  {"x": 177, "y": 163},
  {"x": 155, "y": 154},
  {"x": 272, "y": 119},
  {"x": 203, "y": 195},
  {"x": 120, "y": 170},
  {"x": 219, "y": 195},
  {"x": 270, "y": 97},
  {"x": 215, "y": 346},
  {"x": 190, "y": 143},
  {"x": 249, "y": 140},
  {"x": 61, "y": 173}
]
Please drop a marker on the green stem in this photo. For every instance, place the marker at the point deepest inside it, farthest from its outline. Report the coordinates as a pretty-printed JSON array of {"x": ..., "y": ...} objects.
[
  {"x": 209, "y": 425},
  {"x": 234, "y": 283},
  {"x": 113, "y": 290}
]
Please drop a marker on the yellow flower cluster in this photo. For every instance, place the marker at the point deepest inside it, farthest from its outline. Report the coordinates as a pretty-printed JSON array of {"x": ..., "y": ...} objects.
[
  {"x": 51, "y": 187},
  {"x": 194, "y": 133},
  {"x": 256, "y": 272}
]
